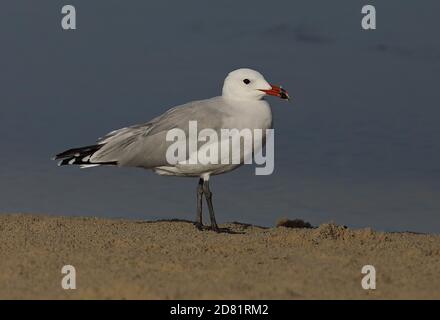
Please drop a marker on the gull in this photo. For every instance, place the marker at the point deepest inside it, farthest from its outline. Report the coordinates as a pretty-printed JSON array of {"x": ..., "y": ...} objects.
[{"x": 241, "y": 106}]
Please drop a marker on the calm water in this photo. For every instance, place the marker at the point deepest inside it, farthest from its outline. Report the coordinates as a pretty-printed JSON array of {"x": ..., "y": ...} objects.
[{"x": 359, "y": 145}]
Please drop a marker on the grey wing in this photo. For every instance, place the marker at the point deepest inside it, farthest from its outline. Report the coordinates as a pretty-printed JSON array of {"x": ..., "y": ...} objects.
[{"x": 145, "y": 145}]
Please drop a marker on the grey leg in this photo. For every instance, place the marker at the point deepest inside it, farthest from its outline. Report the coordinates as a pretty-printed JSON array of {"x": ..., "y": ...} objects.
[
  {"x": 208, "y": 196},
  {"x": 199, "y": 219}
]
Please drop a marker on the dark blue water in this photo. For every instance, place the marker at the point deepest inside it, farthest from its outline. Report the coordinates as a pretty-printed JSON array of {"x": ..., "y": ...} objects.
[{"x": 359, "y": 145}]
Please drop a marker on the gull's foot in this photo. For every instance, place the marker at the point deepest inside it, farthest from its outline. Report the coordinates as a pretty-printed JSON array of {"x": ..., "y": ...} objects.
[
  {"x": 199, "y": 226},
  {"x": 214, "y": 228}
]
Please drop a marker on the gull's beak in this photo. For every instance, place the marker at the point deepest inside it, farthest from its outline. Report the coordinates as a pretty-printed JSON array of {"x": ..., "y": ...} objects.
[{"x": 277, "y": 91}]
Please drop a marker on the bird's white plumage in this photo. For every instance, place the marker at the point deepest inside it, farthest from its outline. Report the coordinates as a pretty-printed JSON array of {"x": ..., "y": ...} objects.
[{"x": 241, "y": 106}]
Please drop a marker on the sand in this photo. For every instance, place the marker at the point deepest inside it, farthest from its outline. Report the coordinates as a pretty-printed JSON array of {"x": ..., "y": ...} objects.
[{"x": 123, "y": 259}]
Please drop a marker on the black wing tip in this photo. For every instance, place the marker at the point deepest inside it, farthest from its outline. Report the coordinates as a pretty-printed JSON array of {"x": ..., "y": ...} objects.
[
  {"x": 80, "y": 156},
  {"x": 77, "y": 156},
  {"x": 78, "y": 152}
]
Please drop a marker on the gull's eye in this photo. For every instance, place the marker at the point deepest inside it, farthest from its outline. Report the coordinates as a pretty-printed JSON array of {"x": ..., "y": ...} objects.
[{"x": 247, "y": 81}]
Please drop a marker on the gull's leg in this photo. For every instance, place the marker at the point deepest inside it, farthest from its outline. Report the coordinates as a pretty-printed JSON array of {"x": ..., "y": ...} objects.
[
  {"x": 199, "y": 219},
  {"x": 208, "y": 196}
]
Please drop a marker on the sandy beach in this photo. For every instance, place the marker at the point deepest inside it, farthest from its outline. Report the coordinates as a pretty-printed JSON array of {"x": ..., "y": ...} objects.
[{"x": 125, "y": 259}]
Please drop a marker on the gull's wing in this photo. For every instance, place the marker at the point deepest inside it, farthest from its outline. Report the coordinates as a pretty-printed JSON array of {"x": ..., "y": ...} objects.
[{"x": 145, "y": 145}]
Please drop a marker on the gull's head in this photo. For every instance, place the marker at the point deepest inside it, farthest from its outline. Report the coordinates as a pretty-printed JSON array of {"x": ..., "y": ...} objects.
[{"x": 248, "y": 84}]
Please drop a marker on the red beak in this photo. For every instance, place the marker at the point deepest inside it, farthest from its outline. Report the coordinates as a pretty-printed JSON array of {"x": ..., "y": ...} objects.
[{"x": 277, "y": 91}]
